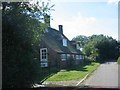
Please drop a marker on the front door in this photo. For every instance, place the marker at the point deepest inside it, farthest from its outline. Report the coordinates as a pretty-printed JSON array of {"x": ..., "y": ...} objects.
[{"x": 43, "y": 57}]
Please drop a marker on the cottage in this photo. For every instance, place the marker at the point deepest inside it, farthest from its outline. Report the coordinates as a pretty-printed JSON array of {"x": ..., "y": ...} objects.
[{"x": 57, "y": 51}]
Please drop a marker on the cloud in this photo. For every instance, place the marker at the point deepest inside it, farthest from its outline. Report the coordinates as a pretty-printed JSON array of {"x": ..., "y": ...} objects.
[
  {"x": 115, "y": 2},
  {"x": 82, "y": 25},
  {"x": 75, "y": 25}
]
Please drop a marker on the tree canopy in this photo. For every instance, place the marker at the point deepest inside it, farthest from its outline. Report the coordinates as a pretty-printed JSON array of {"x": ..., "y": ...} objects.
[
  {"x": 82, "y": 39},
  {"x": 100, "y": 47},
  {"x": 21, "y": 32}
]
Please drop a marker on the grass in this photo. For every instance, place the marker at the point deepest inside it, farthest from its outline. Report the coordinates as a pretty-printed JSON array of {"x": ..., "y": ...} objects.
[
  {"x": 74, "y": 73},
  {"x": 46, "y": 73}
]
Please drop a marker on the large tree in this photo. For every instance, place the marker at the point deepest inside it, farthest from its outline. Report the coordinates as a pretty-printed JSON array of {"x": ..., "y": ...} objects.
[
  {"x": 101, "y": 47},
  {"x": 21, "y": 32},
  {"x": 98, "y": 47},
  {"x": 81, "y": 39}
]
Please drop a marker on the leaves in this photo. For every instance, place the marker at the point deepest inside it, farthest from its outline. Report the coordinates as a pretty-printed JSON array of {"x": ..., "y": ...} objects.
[
  {"x": 21, "y": 34},
  {"x": 98, "y": 47},
  {"x": 81, "y": 39}
]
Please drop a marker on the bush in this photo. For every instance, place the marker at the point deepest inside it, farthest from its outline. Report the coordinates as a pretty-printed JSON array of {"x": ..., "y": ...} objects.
[
  {"x": 118, "y": 61},
  {"x": 87, "y": 60},
  {"x": 20, "y": 35}
]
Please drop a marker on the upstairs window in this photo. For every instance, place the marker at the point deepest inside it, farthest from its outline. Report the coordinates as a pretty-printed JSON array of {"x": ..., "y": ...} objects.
[
  {"x": 64, "y": 42},
  {"x": 77, "y": 46}
]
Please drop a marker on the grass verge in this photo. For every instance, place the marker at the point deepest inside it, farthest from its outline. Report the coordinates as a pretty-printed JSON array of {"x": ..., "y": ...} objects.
[{"x": 74, "y": 73}]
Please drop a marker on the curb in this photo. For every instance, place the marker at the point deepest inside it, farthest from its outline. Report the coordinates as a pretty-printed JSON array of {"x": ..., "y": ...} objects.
[{"x": 86, "y": 77}]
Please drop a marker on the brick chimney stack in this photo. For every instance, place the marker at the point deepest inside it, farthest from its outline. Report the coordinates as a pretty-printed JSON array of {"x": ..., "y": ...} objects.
[{"x": 61, "y": 29}]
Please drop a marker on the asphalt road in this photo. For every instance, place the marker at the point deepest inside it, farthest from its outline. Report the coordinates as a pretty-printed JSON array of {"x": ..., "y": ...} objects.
[{"x": 106, "y": 76}]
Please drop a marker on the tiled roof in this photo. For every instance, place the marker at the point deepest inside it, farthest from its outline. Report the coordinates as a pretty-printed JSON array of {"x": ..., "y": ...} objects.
[{"x": 53, "y": 38}]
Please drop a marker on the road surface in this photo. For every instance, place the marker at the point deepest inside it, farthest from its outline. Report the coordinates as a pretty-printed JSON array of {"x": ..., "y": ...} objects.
[{"x": 106, "y": 76}]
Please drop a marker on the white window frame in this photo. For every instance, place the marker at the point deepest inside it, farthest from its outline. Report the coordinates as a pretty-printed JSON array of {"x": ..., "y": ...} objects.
[
  {"x": 44, "y": 64},
  {"x": 43, "y": 61},
  {"x": 63, "y": 57},
  {"x": 64, "y": 42}
]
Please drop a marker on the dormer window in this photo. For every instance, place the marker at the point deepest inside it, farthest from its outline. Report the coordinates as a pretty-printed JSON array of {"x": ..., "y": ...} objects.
[
  {"x": 46, "y": 30},
  {"x": 77, "y": 46},
  {"x": 64, "y": 42}
]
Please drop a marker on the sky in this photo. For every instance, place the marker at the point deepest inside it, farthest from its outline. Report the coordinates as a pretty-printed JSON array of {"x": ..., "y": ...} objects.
[{"x": 86, "y": 17}]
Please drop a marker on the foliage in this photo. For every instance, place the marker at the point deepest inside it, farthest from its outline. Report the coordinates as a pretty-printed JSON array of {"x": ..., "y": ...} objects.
[
  {"x": 100, "y": 47},
  {"x": 21, "y": 31},
  {"x": 81, "y": 39},
  {"x": 118, "y": 61}
]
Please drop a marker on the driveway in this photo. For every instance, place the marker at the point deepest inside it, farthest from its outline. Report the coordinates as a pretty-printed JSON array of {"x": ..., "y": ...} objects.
[{"x": 106, "y": 76}]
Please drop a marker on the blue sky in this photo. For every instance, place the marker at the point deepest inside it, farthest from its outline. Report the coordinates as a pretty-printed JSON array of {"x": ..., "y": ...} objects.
[{"x": 86, "y": 18}]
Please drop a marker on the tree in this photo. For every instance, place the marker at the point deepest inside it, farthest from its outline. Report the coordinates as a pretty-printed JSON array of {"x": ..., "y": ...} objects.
[
  {"x": 82, "y": 39},
  {"x": 21, "y": 31},
  {"x": 102, "y": 47}
]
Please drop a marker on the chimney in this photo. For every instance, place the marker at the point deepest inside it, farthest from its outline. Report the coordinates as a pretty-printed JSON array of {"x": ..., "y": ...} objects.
[
  {"x": 47, "y": 19},
  {"x": 61, "y": 29}
]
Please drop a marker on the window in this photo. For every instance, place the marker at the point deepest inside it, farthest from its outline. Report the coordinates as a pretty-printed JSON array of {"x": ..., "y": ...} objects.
[
  {"x": 63, "y": 57},
  {"x": 73, "y": 56},
  {"x": 77, "y": 46},
  {"x": 46, "y": 30},
  {"x": 43, "y": 57},
  {"x": 81, "y": 57},
  {"x": 64, "y": 42},
  {"x": 44, "y": 64},
  {"x": 77, "y": 57},
  {"x": 68, "y": 56}
]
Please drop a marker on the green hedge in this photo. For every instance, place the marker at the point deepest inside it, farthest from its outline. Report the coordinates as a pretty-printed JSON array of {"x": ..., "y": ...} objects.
[{"x": 118, "y": 60}]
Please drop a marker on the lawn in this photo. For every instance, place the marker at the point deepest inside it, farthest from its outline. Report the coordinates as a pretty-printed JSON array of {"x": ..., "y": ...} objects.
[{"x": 74, "y": 73}]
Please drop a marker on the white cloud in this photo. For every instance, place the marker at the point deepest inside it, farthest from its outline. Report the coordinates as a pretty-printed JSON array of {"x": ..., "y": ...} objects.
[
  {"x": 81, "y": 25},
  {"x": 113, "y": 2},
  {"x": 76, "y": 25}
]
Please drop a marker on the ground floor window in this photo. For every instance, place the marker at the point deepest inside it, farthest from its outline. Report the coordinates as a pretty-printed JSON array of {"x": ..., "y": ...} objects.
[
  {"x": 79, "y": 57},
  {"x": 63, "y": 57},
  {"x": 45, "y": 64},
  {"x": 68, "y": 56},
  {"x": 73, "y": 56},
  {"x": 43, "y": 57}
]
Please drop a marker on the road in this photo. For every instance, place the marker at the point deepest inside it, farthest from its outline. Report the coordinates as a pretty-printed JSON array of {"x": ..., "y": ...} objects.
[{"x": 106, "y": 76}]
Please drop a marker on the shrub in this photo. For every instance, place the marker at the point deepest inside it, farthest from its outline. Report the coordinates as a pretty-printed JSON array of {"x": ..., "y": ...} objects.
[
  {"x": 20, "y": 37},
  {"x": 118, "y": 61}
]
